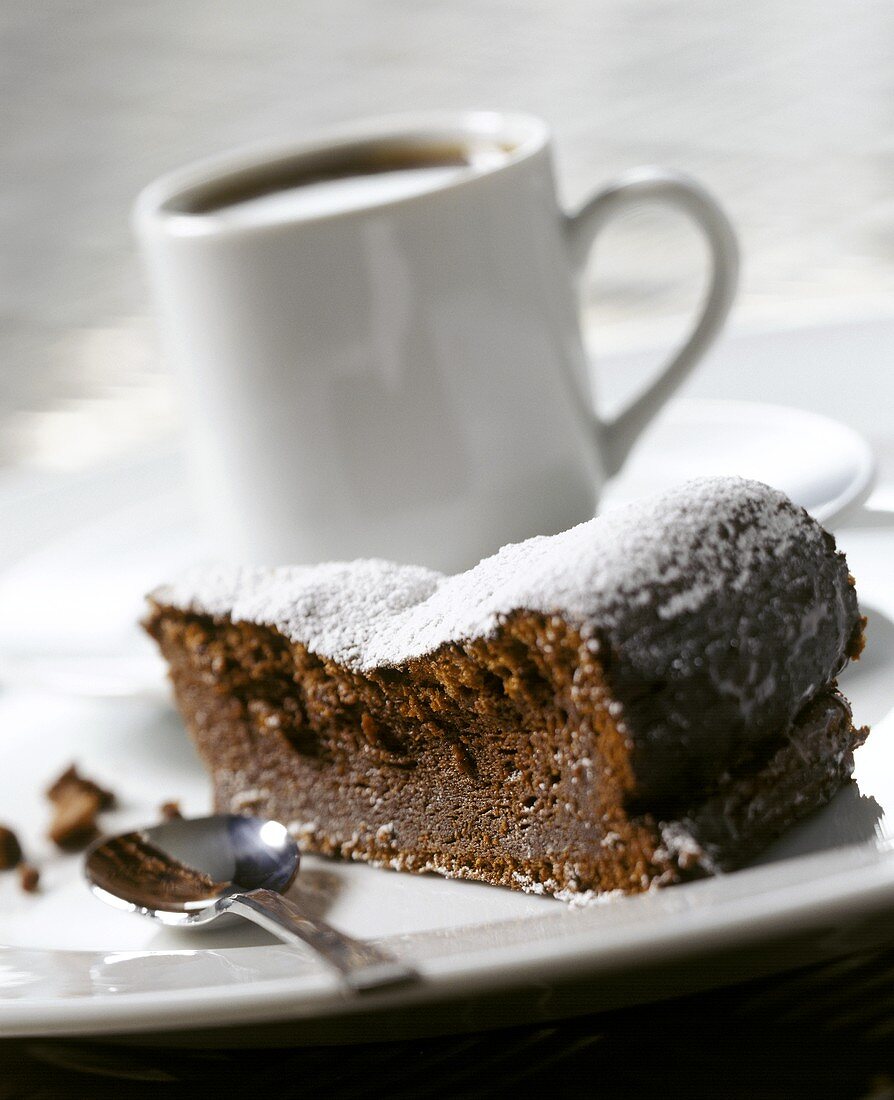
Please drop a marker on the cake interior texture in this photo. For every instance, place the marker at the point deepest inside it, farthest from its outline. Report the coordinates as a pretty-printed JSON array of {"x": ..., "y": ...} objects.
[{"x": 638, "y": 701}]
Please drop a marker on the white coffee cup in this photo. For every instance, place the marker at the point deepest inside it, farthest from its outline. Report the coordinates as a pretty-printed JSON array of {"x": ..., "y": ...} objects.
[{"x": 378, "y": 334}]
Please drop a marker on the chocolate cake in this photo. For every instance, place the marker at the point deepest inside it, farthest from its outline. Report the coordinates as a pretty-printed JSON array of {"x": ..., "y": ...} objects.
[{"x": 645, "y": 698}]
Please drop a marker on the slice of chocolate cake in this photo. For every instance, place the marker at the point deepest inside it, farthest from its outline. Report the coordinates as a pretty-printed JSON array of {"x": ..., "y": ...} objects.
[{"x": 645, "y": 698}]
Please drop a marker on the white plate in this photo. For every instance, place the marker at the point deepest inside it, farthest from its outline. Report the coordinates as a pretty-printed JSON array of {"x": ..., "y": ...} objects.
[{"x": 71, "y": 966}]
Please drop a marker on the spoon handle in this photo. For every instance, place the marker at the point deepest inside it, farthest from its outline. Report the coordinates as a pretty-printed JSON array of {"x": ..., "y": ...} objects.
[{"x": 361, "y": 965}]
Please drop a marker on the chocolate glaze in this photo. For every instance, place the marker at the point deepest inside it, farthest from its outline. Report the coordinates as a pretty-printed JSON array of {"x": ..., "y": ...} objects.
[
  {"x": 746, "y": 660},
  {"x": 748, "y": 810}
]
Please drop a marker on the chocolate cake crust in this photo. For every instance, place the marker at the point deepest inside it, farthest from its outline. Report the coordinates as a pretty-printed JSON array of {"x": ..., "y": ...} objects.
[{"x": 599, "y": 710}]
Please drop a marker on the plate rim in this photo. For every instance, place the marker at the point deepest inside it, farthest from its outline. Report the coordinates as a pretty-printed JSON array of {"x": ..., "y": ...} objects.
[{"x": 750, "y": 917}]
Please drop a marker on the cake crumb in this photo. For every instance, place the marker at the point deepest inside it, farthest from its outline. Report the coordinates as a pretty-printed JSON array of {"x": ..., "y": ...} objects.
[
  {"x": 77, "y": 802},
  {"x": 29, "y": 878},
  {"x": 10, "y": 849},
  {"x": 170, "y": 811},
  {"x": 74, "y": 820},
  {"x": 72, "y": 778},
  {"x": 682, "y": 845},
  {"x": 251, "y": 800},
  {"x": 584, "y": 899},
  {"x": 303, "y": 831}
]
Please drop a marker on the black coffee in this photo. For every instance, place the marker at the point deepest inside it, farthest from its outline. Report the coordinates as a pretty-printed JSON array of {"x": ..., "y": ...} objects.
[{"x": 319, "y": 184}]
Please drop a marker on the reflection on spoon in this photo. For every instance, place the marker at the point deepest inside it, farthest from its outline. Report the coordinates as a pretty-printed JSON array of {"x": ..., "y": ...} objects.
[
  {"x": 149, "y": 877},
  {"x": 186, "y": 873}
]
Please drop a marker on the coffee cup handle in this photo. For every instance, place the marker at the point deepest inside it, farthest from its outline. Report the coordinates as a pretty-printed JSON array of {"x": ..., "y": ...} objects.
[{"x": 616, "y": 437}]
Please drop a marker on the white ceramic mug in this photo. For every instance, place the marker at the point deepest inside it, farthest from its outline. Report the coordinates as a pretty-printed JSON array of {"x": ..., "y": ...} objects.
[{"x": 394, "y": 367}]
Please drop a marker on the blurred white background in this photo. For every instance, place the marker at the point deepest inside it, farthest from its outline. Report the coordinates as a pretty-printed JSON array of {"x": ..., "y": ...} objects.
[{"x": 786, "y": 110}]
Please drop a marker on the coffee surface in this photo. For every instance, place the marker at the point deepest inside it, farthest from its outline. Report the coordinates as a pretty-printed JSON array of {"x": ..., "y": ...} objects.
[
  {"x": 330, "y": 196},
  {"x": 348, "y": 180}
]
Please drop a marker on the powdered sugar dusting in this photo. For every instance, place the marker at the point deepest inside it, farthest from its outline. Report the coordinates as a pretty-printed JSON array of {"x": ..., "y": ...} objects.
[{"x": 662, "y": 559}]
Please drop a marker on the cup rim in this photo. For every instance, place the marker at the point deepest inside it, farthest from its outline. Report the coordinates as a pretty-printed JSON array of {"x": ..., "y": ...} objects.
[{"x": 524, "y": 135}]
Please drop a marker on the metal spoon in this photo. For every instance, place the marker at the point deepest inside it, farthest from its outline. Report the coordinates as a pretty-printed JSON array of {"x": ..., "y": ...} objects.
[{"x": 186, "y": 873}]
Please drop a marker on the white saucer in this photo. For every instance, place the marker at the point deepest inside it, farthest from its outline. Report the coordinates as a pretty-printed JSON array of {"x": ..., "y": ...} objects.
[
  {"x": 489, "y": 957},
  {"x": 820, "y": 463}
]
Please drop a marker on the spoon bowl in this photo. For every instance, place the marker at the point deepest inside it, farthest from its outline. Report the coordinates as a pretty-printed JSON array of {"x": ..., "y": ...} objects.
[
  {"x": 191, "y": 871},
  {"x": 177, "y": 870}
]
